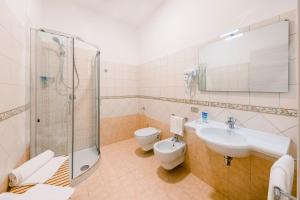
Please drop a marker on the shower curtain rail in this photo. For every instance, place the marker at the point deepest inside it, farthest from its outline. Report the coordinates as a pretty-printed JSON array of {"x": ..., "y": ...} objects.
[{"x": 67, "y": 35}]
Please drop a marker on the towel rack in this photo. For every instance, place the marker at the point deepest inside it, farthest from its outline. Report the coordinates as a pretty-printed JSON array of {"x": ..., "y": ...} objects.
[
  {"x": 186, "y": 119},
  {"x": 278, "y": 192}
]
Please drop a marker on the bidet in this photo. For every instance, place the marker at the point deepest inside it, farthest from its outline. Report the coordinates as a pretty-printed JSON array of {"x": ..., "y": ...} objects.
[{"x": 170, "y": 152}]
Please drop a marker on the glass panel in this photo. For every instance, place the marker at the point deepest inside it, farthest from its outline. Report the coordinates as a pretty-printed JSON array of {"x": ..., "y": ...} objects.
[
  {"x": 51, "y": 92},
  {"x": 85, "y": 144},
  {"x": 97, "y": 101}
]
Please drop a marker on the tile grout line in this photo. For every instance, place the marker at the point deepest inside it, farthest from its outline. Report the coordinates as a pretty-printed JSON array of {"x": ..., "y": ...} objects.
[
  {"x": 279, "y": 132},
  {"x": 285, "y": 130}
]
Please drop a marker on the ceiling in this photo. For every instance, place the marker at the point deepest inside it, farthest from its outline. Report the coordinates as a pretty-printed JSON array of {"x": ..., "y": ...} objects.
[{"x": 129, "y": 11}]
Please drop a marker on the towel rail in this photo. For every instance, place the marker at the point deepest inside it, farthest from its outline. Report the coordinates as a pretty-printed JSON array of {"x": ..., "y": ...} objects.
[
  {"x": 278, "y": 192},
  {"x": 185, "y": 118}
]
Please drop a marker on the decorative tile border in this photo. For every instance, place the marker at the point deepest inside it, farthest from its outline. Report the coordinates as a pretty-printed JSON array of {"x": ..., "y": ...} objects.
[
  {"x": 251, "y": 108},
  {"x": 119, "y": 97},
  {"x": 10, "y": 113}
]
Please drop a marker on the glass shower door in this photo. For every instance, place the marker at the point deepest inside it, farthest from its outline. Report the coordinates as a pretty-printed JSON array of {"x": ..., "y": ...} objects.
[
  {"x": 51, "y": 92},
  {"x": 86, "y": 109}
]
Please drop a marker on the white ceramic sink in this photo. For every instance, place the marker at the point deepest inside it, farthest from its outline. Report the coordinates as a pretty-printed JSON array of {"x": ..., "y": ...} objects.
[
  {"x": 225, "y": 141},
  {"x": 239, "y": 142}
]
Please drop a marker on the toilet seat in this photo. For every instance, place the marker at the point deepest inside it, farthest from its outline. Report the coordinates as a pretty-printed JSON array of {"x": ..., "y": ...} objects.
[{"x": 144, "y": 132}]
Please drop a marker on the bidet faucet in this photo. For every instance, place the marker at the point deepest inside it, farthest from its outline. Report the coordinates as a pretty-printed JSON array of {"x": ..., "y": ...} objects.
[{"x": 230, "y": 122}]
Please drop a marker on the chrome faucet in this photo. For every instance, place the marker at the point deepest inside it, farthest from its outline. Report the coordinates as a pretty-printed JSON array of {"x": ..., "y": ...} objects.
[
  {"x": 175, "y": 138},
  {"x": 230, "y": 122}
]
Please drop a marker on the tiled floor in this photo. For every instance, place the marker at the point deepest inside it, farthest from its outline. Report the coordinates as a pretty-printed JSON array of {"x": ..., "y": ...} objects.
[{"x": 125, "y": 172}]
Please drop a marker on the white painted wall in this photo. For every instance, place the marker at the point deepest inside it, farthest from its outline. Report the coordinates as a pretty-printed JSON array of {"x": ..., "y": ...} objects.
[
  {"x": 175, "y": 25},
  {"x": 179, "y": 24},
  {"x": 117, "y": 41},
  {"x": 25, "y": 9}
]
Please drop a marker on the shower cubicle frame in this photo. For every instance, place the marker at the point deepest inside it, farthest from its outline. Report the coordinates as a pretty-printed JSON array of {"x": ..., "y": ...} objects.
[{"x": 81, "y": 177}]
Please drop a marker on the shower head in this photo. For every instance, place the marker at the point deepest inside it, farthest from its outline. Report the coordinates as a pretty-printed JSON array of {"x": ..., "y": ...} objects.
[{"x": 61, "y": 46}]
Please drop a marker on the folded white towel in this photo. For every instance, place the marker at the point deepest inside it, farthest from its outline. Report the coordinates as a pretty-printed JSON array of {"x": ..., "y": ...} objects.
[
  {"x": 41, "y": 192},
  {"x": 45, "y": 172},
  {"x": 281, "y": 175},
  {"x": 11, "y": 196},
  {"x": 49, "y": 192},
  {"x": 18, "y": 175},
  {"x": 176, "y": 125}
]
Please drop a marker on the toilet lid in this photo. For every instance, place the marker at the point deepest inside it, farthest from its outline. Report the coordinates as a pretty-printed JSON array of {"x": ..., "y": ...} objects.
[{"x": 146, "y": 131}]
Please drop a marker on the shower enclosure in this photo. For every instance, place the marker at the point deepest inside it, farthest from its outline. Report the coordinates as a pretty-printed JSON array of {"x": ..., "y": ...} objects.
[{"x": 64, "y": 98}]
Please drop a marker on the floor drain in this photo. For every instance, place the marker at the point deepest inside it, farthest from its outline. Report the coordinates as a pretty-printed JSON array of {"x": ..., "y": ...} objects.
[{"x": 84, "y": 167}]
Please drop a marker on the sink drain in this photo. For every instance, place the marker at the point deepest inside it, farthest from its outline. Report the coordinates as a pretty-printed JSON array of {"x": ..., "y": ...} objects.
[{"x": 84, "y": 167}]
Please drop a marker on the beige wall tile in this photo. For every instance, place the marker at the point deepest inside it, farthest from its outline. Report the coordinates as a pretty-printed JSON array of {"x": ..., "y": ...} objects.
[
  {"x": 238, "y": 98},
  {"x": 290, "y": 99},
  {"x": 293, "y": 50},
  {"x": 264, "y": 99},
  {"x": 293, "y": 71},
  {"x": 118, "y": 128},
  {"x": 219, "y": 97},
  {"x": 282, "y": 123},
  {"x": 259, "y": 122}
]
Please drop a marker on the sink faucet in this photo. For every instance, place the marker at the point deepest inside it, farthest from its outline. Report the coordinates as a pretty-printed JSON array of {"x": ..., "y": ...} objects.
[
  {"x": 230, "y": 122},
  {"x": 175, "y": 138}
]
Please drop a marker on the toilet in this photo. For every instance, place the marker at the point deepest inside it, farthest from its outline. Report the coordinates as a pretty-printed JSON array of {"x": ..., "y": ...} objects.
[
  {"x": 146, "y": 137},
  {"x": 171, "y": 151}
]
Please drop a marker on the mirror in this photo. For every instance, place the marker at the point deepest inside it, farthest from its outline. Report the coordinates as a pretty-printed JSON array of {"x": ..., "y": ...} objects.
[{"x": 250, "y": 61}]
